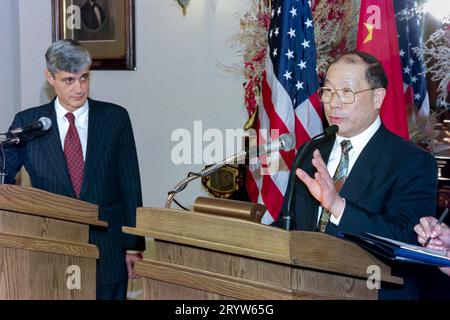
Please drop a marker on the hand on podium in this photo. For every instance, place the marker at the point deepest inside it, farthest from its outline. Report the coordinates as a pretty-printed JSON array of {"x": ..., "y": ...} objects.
[{"x": 131, "y": 258}]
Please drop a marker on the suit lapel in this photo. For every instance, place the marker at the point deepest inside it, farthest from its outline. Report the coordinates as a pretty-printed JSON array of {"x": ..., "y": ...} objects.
[
  {"x": 357, "y": 182},
  {"x": 96, "y": 132},
  {"x": 53, "y": 147},
  {"x": 364, "y": 168}
]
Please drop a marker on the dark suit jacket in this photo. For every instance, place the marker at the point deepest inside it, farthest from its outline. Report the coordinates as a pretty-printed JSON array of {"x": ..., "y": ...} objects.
[
  {"x": 390, "y": 187},
  {"x": 89, "y": 17},
  {"x": 111, "y": 176}
]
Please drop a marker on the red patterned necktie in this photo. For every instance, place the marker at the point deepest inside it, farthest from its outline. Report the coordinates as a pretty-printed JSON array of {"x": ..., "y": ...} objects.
[{"x": 74, "y": 155}]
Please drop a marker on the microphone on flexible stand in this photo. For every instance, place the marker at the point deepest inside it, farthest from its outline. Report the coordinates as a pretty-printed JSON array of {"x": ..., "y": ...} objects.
[
  {"x": 43, "y": 124},
  {"x": 286, "y": 142},
  {"x": 13, "y": 137},
  {"x": 314, "y": 142}
]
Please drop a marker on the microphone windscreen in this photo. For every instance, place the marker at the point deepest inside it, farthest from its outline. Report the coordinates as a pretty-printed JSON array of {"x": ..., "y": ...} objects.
[
  {"x": 287, "y": 142},
  {"x": 46, "y": 123},
  {"x": 332, "y": 129}
]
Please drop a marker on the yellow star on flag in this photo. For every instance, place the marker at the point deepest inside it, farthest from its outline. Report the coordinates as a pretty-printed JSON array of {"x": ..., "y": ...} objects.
[{"x": 369, "y": 28}]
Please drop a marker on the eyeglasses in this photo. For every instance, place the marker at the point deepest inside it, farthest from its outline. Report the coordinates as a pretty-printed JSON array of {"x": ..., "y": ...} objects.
[{"x": 345, "y": 95}]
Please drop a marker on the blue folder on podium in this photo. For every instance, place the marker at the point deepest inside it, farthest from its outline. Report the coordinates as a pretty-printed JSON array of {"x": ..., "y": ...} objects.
[{"x": 398, "y": 251}]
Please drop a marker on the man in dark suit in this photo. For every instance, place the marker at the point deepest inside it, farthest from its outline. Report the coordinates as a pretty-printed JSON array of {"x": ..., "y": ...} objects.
[
  {"x": 364, "y": 178},
  {"x": 92, "y": 14},
  {"x": 88, "y": 153}
]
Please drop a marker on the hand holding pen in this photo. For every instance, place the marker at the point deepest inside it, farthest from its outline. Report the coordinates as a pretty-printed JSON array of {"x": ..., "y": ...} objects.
[{"x": 433, "y": 233}]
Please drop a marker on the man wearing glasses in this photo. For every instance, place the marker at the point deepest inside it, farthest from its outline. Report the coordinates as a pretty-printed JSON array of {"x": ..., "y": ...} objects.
[{"x": 365, "y": 178}]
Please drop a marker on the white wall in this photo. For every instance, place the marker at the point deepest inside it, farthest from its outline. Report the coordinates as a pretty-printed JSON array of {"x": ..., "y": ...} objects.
[
  {"x": 34, "y": 36},
  {"x": 177, "y": 79},
  {"x": 9, "y": 75}
]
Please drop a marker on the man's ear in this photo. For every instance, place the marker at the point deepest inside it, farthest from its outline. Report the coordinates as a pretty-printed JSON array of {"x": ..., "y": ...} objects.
[
  {"x": 378, "y": 97},
  {"x": 49, "y": 77}
]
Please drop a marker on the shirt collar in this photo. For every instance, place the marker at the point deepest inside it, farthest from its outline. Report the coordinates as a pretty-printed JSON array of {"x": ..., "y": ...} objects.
[
  {"x": 79, "y": 113},
  {"x": 359, "y": 141}
]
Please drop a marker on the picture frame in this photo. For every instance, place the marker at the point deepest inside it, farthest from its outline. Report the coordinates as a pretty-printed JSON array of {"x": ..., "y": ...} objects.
[{"x": 105, "y": 27}]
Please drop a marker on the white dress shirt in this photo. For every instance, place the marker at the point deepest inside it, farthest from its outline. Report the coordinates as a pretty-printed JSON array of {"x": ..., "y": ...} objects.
[
  {"x": 98, "y": 15},
  {"x": 81, "y": 122},
  {"x": 358, "y": 143}
]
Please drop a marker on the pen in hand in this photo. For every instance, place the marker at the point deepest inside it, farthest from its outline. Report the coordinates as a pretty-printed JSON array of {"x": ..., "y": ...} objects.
[{"x": 441, "y": 219}]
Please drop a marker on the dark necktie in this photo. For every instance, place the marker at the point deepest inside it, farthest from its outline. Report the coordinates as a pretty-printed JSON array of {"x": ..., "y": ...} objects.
[
  {"x": 338, "y": 179},
  {"x": 74, "y": 155}
]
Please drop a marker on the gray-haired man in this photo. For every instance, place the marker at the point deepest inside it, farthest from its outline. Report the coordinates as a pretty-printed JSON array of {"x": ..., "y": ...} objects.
[{"x": 89, "y": 153}]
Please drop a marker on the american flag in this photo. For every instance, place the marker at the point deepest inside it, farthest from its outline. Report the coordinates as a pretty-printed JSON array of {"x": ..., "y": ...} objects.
[
  {"x": 289, "y": 100},
  {"x": 413, "y": 68}
]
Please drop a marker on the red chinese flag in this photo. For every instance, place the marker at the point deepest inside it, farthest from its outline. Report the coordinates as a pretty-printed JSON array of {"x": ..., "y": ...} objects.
[{"x": 377, "y": 35}]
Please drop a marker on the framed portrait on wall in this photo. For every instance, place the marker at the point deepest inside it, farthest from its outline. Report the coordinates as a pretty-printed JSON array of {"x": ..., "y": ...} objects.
[{"x": 104, "y": 27}]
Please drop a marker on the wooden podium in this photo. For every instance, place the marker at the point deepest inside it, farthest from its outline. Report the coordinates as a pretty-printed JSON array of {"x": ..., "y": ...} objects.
[
  {"x": 202, "y": 256},
  {"x": 44, "y": 249}
]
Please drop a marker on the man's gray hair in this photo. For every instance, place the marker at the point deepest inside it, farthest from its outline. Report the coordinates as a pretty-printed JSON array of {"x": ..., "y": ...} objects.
[{"x": 68, "y": 56}]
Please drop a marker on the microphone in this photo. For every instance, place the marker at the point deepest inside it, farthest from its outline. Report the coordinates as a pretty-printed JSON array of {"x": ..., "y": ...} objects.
[
  {"x": 285, "y": 142},
  {"x": 314, "y": 142},
  {"x": 43, "y": 124}
]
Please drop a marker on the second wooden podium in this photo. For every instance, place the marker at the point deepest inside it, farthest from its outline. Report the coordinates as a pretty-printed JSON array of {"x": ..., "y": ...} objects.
[
  {"x": 44, "y": 249},
  {"x": 202, "y": 256}
]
